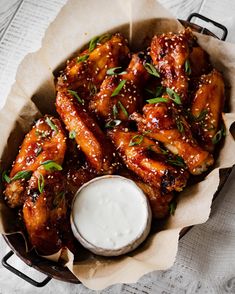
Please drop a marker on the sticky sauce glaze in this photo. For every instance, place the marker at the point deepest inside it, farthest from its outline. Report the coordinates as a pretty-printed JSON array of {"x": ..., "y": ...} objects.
[{"x": 110, "y": 212}]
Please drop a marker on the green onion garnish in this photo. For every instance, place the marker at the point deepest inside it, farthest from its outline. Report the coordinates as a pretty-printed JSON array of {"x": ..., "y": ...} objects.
[
  {"x": 24, "y": 174},
  {"x": 180, "y": 125},
  {"x": 187, "y": 67},
  {"x": 151, "y": 70},
  {"x": 99, "y": 39},
  {"x": 136, "y": 140},
  {"x": 72, "y": 134},
  {"x": 201, "y": 116},
  {"x": 39, "y": 150},
  {"x": 173, "y": 96},
  {"x": 5, "y": 177},
  {"x": 82, "y": 58},
  {"x": 157, "y": 100},
  {"x": 112, "y": 123},
  {"x": 41, "y": 183},
  {"x": 75, "y": 94},
  {"x": 123, "y": 108},
  {"x": 114, "y": 71},
  {"x": 177, "y": 160},
  {"x": 92, "y": 88},
  {"x": 118, "y": 88},
  {"x": 115, "y": 111},
  {"x": 51, "y": 165},
  {"x": 51, "y": 124},
  {"x": 218, "y": 136}
]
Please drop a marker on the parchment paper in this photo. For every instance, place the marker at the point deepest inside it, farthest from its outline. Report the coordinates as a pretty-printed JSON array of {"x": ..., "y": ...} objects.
[{"x": 33, "y": 93}]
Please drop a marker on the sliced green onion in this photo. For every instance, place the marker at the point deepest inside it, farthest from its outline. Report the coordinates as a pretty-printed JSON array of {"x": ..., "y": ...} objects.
[
  {"x": 173, "y": 96},
  {"x": 118, "y": 88},
  {"x": 136, "y": 140},
  {"x": 123, "y": 108},
  {"x": 72, "y": 135},
  {"x": 218, "y": 136},
  {"x": 172, "y": 207},
  {"x": 180, "y": 125},
  {"x": 93, "y": 43},
  {"x": 201, "y": 116},
  {"x": 5, "y": 177},
  {"x": 39, "y": 150},
  {"x": 41, "y": 183},
  {"x": 92, "y": 88},
  {"x": 105, "y": 37},
  {"x": 98, "y": 39},
  {"x": 75, "y": 94},
  {"x": 187, "y": 67},
  {"x": 24, "y": 174},
  {"x": 115, "y": 111},
  {"x": 114, "y": 71},
  {"x": 151, "y": 70},
  {"x": 51, "y": 124},
  {"x": 112, "y": 123},
  {"x": 157, "y": 100},
  {"x": 177, "y": 160},
  {"x": 146, "y": 132},
  {"x": 82, "y": 58},
  {"x": 51, "y": 165}
]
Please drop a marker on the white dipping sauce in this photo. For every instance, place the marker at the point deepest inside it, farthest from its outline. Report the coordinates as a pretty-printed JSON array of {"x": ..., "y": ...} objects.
[{"x": 110, "y": 215}]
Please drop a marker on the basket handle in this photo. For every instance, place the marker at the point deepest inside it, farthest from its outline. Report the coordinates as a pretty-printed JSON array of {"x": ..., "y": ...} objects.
[
  {"x": 20, "y": 274},
  {"x": 206, "y": 19}
]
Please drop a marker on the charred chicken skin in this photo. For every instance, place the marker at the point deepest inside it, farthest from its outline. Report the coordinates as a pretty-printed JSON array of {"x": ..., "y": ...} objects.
[
  {"x": 46, "y": 141},
  {"x": 135, "y": 150},
  {"x": 166, "y": 124},
  {"x": 86, "y": 72},
  {"x": 206, "y": 109},
  {"x": 110, "y": 103},
  {"x": 170, "y": 53}
]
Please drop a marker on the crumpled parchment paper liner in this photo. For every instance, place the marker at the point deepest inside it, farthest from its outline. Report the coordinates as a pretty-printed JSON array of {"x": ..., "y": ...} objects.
[{"x": 34, "y": 93}]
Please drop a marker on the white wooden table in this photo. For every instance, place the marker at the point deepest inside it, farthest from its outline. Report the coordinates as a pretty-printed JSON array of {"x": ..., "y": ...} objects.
[{"x": 205, "y": 261}]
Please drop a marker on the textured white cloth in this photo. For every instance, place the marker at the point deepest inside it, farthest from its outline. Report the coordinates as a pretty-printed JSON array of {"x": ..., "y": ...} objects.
[{"x": 205, "y": 261}]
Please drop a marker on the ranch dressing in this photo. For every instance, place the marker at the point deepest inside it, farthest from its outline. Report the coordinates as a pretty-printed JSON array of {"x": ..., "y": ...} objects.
[{"x": 110, "y": 213}]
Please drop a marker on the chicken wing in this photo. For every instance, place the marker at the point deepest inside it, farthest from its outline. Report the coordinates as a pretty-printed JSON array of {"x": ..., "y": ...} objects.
[
  {"x": 89, "y": 137},
  {"x": 135, "y": 150},
  {"x": 86, "y": 72},
  {"x": 46, "y": 141},
  {"x": 199, "y": 62},
  {"x": 44, "y": 213},
  {"x": 165, "y": 124},
  {"x": 159, "y": 202},
  {"x": 206, "y": 109},
  {"x": 170, "y": 54},
  {"x": 110, "y": 103}
]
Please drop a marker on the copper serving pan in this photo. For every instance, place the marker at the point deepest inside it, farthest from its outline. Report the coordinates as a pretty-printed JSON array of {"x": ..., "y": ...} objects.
[{"x": 54, "y": 270}]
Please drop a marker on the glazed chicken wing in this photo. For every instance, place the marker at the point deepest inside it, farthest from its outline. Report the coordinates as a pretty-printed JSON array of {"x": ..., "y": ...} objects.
[
  {"x": 45, "y": 211},
  {"x": 168, "y": 126},
  {"x": 206, "y": 109},
  {"x": 86, "y": 72},
  {"x": 170, "y": 53},
  {"x": 89, "y": 137},
  {"x": 135, "y": 150},
  {"x": 199, "y": 62},
  {"x": 110, "y": 103},
  {"x": 158, "y": 201},
  {"x": 46, "y": 141}
]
